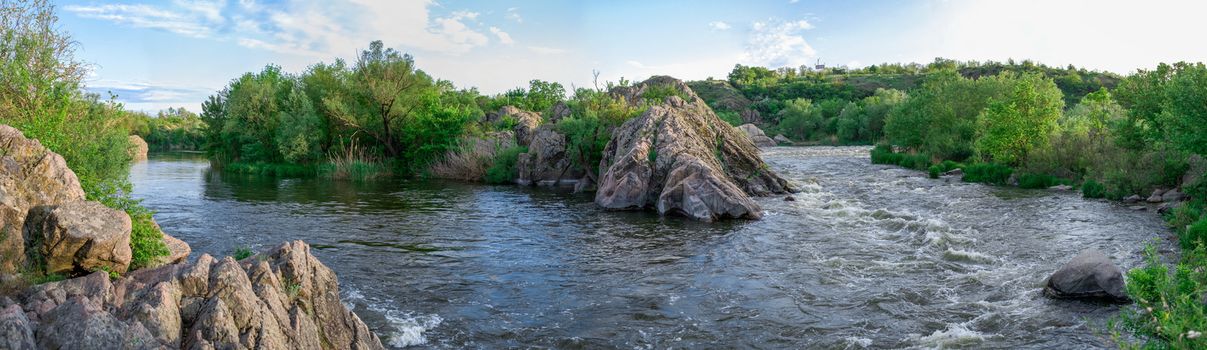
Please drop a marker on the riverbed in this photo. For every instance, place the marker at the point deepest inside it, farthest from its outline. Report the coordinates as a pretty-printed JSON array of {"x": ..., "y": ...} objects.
[{"x": 866, "y": 256}]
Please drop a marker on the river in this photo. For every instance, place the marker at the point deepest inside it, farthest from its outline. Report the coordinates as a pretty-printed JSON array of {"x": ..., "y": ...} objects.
[{"x": 867, "y": 256}]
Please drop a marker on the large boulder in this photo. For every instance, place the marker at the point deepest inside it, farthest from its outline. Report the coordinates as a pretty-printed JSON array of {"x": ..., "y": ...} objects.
[
  {"x": 546, "y": 162},
  {"x": 138, "y": 148},
  {"x": 15, "y": 330},
  {"x": 757, "y": 136},
  {"x": 1090, "y": 275},
  {"x": 559, "y": 111},
  {"x": 32, "y": 180},
  {"x": 526, "y": 123},
  {"x": 86, "y": 236},
  {"x": 680, "y": 158},
  {"x": 282, "y": 299}
]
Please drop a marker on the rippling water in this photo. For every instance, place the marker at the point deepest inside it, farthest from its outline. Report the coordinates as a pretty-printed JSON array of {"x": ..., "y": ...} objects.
[{"x": 868, "y": 256}]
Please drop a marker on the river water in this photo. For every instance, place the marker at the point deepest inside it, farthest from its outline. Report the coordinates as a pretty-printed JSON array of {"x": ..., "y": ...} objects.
[{"x": 867, "y": 256}]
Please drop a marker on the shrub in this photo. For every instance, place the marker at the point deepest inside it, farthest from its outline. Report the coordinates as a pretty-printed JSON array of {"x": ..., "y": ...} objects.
[
  {"x": 469, "y": 163},
  {"x": 934, "y": 171},
  {"x": 1168, "y": 303},
  {"x": 242, "y": 253},
  {"x": 657, "y": 93},
  {"x": 504, "y": 168},
  {"x": 1194, "y": 235},
  {"x": 1093, "y": 189},
  {"x": 883, "y": 154},
  {"x": 730, "y": 117},
  {"x": 948, "y": 165},
  {"x": 1040, "y": 181},
  {"x": 989, "y": 173}
]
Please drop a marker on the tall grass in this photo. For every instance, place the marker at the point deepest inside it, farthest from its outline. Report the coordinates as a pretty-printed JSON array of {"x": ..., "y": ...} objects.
[
  {"x": 471, "y": 161},
  {"x": 353, "y": 163}
]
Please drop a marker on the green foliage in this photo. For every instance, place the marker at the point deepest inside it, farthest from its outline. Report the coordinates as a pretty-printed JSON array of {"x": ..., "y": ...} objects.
[
  {"x": 657, "y": 93},
  {"x": 883, "y": 154},
  {"x": 934, "y": 171},
  {"x": 169, "y": 130},
  {"x": 1093, "y": 189},
  {"x": 940, "y": 117},
  {"x": 241, "y": 253},
  {"x": 503, "y": 170},
  {"x": 1040, "y": 181},
  {"x": 1194, "y": 235},
  {"x": 539, "y": 97},
  {"x": 1009, "y": 128},
  {"x": 1168, "y": 303},
  {"x": 989, "y": 173},
  {"x": 731, "y": 118}
]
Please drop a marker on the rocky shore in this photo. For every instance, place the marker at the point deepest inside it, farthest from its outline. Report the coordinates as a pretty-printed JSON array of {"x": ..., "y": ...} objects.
[{"x": 283, "y": 298}]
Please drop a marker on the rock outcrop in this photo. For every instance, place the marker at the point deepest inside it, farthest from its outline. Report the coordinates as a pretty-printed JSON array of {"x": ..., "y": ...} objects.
[
  {"x": 781, "y": 139},
  {"x": 558, "y": 112},
  {"x": 32, "y": 181},
  {"x": 1090, "y": 275},
  {"x": 680, "y": 158},
  {"x": 757, "y": 136},
  {"x": 138, "y": 148},
  {"x": 526, "y": 123},
  {"x": 546, "y": 162},
  {"x": 85, "y": 236},
  {"x": 283, "y": 299}
]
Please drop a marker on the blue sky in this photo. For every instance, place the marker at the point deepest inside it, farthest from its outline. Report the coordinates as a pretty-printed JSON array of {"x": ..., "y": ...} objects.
[{"x": 173, "y": 53}]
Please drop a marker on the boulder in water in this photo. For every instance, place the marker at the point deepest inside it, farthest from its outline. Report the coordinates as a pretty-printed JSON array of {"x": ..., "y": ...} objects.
[
  {"x": 1156, "y": 196},
  {"x": 1090, "y": 275},
  {"x": 546, "y": 162},
  {"x": 783, "y": 140},
  {"x": 680, "y": 158}
]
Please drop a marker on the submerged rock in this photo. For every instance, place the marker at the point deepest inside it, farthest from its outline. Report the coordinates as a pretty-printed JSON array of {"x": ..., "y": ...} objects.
[
  {"x": 1090, "y": 275},
  {"x": 1133, "y": 199},
  {"x": 680, "y": 158},
  {"x": 285, "y": 298},
  {"x": 757, "y": 136},
  {"x": 138, "y": 148}
]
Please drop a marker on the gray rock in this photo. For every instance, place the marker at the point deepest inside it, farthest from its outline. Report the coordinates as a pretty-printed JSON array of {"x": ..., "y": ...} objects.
[
  {"x": 783, "y": 140},
  {"x": 680, "y": 158},
  {"x": 32, "y": 180},
  {"x": 1090, "y": 275},
  {"x": 1133, "y": 199},
  {"x": 138, "y": 148},
  {"x": 1172, "y": 196},
  {"x": 757, "y": 136},
  {"x": 558, "y": 112},
  {"x": 86, "y": 236},
  {"x": 954, "y": 172},
  {"x": 546, "y": 163},
  {"x": 15, "y": 330},
  {"x": 1156, "y": 196}
]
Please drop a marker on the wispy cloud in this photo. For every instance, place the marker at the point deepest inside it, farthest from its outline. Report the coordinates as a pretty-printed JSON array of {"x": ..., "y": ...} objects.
[
  {"x": 145, "y": 16},
  {"x": 514, "y": 15},
  {"x": 778, "y": 43},
  {"x": 503, "y": 36},
  {"x": 151, "y": 96},
  {"x": 718, "y": 25}
]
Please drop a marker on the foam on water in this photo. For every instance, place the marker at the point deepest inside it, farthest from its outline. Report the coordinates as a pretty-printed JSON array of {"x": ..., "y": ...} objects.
[
  {"x": 954, "y": 335},
  {"x": 409, "y": 328}
]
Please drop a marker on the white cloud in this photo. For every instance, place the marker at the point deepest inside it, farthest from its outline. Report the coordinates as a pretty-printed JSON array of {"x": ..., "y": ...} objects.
[
  {"x": 503, "y": 36},
  {"x": 546, "y": 50},
  {"x": 793, "y": 1},
  {"x": 144, "y": 16},
  {"x": 718, "y": 25},
  {"x": 778, "y": 43},
  {"x": 514, "y": 15}
]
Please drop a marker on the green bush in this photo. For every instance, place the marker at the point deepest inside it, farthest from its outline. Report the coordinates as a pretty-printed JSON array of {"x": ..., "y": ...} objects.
[
  {"x": 989, "y": 173},
  {"x": 1194, "y": 235},
  {"x": 934, "y": 171},
  {"x": 241, "y": 253},
  {"x": 1168, "y": 303},
  {"x": 1040, "y": 181},
  {"x": 948, "y": 165},
  {"x": 730, "y": 117},
  {"x": 1093, "y": 189},
  {"x": 503, "y": 171}
]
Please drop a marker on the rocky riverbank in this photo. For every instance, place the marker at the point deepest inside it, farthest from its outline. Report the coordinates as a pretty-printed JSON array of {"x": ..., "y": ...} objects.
[{"x": 283, "y": 298}]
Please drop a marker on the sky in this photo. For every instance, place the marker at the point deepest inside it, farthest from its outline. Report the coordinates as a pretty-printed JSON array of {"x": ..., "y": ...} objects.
[{"x": 175, "y": 53}]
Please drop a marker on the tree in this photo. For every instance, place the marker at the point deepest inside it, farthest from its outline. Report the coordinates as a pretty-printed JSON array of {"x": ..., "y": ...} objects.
[
  {"x": 385, "y": 91},
  {"x": 1012, "y": 126}
]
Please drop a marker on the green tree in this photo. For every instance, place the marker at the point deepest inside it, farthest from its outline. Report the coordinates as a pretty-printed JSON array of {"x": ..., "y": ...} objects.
[
  {"x": 1013, "y": 126},
  {"x": 385, "y": 90}
]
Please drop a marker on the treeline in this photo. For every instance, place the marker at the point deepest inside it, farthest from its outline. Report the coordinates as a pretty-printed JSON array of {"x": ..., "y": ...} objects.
[
  {"x": 41, "y": 94},
  {"x": 172, "y": 129},
  {"x": 849, "y": 106}
]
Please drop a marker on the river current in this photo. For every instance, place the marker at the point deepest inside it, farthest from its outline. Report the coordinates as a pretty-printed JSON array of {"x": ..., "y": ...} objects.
[{"x": 867, "y": 256}]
